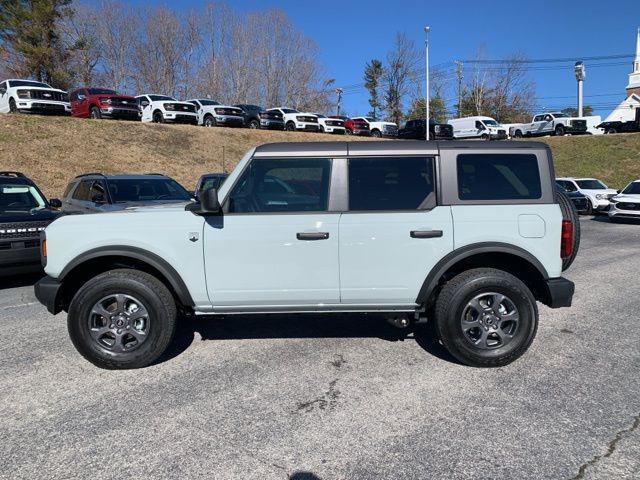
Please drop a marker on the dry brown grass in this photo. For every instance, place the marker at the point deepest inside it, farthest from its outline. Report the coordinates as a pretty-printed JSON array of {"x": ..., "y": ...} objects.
[{"x": 52, "y": 150}]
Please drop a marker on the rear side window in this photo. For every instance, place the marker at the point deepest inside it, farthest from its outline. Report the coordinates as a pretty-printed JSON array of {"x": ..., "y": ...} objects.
[
  {"x": 391, "y": 183},
  {"x": 498, "y": 177},
  {"x": 282, "y": 185}
]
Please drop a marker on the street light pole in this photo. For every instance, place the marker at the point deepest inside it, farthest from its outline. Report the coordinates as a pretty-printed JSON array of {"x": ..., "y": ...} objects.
[{"x": 426, "y": 77}]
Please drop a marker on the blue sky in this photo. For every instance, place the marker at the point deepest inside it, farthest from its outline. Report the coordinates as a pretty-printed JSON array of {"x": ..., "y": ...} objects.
[{"x": 351, "y": 32}]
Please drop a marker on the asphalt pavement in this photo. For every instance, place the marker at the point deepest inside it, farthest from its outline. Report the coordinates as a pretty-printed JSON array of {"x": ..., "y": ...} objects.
[{"x": 343, "y": 397}]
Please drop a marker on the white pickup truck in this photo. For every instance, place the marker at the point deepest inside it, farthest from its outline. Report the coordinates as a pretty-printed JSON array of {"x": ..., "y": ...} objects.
[{"x": 554, "y": 123}]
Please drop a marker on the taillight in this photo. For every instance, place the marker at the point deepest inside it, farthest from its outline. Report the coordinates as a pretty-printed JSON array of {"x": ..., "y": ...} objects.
[{"x": 566, "y": 243}]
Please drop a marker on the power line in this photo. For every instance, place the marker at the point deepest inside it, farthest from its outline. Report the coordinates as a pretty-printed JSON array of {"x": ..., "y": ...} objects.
[{"x": 553, "y": 60}]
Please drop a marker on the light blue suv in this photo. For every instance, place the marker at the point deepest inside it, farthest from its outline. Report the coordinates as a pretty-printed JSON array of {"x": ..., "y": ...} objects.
[{"x": 467, "y": 235}]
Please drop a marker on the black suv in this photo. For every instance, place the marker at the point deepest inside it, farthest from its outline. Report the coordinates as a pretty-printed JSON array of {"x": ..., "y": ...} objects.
[
  {"x": 24, "y": 213},
  {"x": 258, "y": 117},
  {"x": 414, "y": 130},
  {"x": 97, "y": 192}
]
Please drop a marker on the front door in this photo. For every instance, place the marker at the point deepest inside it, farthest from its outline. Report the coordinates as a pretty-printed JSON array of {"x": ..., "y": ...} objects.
[
  {"x": 276, "y": 244},
  {"x": 393, "y": 232}
]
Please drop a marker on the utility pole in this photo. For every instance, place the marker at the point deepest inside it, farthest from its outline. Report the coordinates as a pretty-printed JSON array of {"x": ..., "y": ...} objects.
[
  {"x": 578, "y": 69},
  {"x": 339, "y": 92},
  {"x": 426, "y": 79},
  {"x": 458, "y": 64}
]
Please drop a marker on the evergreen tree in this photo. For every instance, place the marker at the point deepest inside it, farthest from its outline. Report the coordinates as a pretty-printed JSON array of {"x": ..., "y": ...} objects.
[{"x": 372, "y": 73}]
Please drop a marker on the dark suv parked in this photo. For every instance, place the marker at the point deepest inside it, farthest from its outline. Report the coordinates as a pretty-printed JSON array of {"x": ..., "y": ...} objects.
[
  {"x": 24, "y": 213},
  {"x": 97, "y": 192},
  {"x": 257, "y": 117},
  {"x": 91, "y": 102},
  {"x": 414, "y": 130}
]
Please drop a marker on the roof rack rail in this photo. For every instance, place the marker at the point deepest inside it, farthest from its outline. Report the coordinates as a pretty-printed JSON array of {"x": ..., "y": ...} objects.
[
  {"x": 90, "y": 174},
  {"x": 13, "y": 174}
]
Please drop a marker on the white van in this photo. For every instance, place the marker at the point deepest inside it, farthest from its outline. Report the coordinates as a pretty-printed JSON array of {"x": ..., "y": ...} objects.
[{"x": 477, "y": 127}]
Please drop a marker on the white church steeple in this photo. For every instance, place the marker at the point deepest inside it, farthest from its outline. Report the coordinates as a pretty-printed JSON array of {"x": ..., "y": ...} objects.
[{"x": 634, "y": 76}]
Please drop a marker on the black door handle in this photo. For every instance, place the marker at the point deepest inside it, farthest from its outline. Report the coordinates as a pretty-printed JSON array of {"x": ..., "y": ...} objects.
[
  {"x": 426, "y": 233},
  {"x": 312, "y": 235}
]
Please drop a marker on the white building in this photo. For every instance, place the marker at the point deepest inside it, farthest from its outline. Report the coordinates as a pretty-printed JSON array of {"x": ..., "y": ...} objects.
[{"x": 626, "y": 110}]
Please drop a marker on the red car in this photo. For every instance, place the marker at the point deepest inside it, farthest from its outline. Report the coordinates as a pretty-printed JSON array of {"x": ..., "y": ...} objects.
[
  {"x": 354, "y": 127},
  {"x": 91, "y": 102}
]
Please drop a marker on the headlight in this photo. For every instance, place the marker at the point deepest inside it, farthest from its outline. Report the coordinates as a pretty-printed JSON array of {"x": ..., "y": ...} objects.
[
  {"x": 600, "y": 196},
  {"x": 105, "y": 100},
  {"x": 24, "y": 94},
  {"x": 169, "y": 107},
  {"x": 300, "y": 119}
]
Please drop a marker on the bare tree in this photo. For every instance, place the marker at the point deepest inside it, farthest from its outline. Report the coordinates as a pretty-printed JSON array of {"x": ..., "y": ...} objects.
[
  {"x": 79, "y": 33},
  {"x": 402, "y": 61}
]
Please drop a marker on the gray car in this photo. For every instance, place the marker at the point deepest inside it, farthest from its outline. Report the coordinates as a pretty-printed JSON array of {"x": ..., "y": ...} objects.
[{"x": 97, "y": 192}]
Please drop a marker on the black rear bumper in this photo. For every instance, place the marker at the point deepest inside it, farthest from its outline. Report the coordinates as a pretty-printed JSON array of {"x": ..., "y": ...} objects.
[
  {"x": 559, "y": 292},
  {"x": 47, "y": 292}
]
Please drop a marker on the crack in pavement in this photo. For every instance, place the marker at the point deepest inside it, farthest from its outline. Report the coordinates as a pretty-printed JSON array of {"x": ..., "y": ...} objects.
[{"x": 611, "y": 447}]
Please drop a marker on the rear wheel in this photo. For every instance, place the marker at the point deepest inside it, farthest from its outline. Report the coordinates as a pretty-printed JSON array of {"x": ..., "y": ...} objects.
[
  {"x": 570, "y": 213},
  {"x": 485, "y": 136},
  {"x": 348, "y": 132},
  {"x": 12, "y": 106},
  {"x": 122, "y": 319},
  {"x": 610, "y": 131},
  {"x": 486, "y": 317},
  {"x": 95, "y": 113}
]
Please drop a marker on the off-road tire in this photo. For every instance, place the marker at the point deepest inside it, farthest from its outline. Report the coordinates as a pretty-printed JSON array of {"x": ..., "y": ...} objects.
[
  {"x": 95, "y": 113},
  {"x": 453, "y": 300},
  {"x": 569, "y": 213},
  {"x": 157, "y": 300}
]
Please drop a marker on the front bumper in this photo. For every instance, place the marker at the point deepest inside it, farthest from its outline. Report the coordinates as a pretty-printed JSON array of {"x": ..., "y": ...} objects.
[
  {"x": 336, "y": 130},
  {"x": 559, "y": 292},
  {"x": 44, "y": 106},
  {"x": 272, "y": 124},
  {"x": 364, "y": 132},
  {"x": 47, "y": 291},
  {"x": 19, "y": 256},
  {"x": 229, "y": 121},
  {"x": 575, "y": 130},
  {"x": 615, "y": 212},
  {"x": 191, "y": 119},
  {"x": 120, "y": 113},
  {"x": 307, "y": 127}
]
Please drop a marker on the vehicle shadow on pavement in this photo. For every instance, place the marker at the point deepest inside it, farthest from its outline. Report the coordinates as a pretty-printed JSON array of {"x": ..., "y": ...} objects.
[
  {"x": 304, "y": 325},
  {"x": 15, "y": 281}
]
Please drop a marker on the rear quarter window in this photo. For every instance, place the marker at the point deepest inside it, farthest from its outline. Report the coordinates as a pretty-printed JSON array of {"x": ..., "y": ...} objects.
[{"x": 498, "y": 177}]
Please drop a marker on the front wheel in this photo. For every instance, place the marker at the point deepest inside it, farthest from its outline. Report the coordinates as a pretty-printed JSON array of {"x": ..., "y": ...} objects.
[
  {"x": 486, "y": 317},
  {"x": 12, "y": 106},
  {"x": 518, "y": 134},
  {"x": 254, "y": 124},
  {"x": 610, "y": 131},
  {"x": 209, "y": 121},
  {"x": 559, "y": 131},
  {"x": 158, "y": 117},
  {"x": 348, "y": 132},
  {"x": 122, "y": 319},
  {"x": 95, "y": 113},
  {"x": 290, "y": 127},
  {"x": 376, "y": 133}
]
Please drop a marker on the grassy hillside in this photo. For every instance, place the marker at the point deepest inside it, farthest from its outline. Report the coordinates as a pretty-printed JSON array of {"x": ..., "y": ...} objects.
[
  {"x": 52, "y": 150},
  {"x": 614, "y": 159}
]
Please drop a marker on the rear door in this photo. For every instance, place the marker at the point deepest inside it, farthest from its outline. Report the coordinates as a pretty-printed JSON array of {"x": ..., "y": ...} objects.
[{"x": 393, "y": 232}]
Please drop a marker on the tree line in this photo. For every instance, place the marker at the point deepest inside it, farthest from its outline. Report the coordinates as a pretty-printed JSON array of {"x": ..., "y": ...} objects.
[{"x": 216, "y": 51}]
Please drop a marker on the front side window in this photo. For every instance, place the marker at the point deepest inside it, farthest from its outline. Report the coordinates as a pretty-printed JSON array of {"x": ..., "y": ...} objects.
[
  {"x": 83, "y": 191},
  {"x": 282, "y": 185},
  {"x": 391, "y": 183},
  {"x": 498, "y": 177}
]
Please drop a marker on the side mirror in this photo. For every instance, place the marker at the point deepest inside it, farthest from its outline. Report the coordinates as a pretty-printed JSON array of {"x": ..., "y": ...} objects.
[
  {"x": 619, "y": 191},
  {"x": 144, "y": 104},
  {"x": 98, "y": 198},
  {"x": 548, "y": 118},
  {"x": 55, "y": 203},
  {"x": 3, "y": 91},
  {"x": 207, "y": 204}
]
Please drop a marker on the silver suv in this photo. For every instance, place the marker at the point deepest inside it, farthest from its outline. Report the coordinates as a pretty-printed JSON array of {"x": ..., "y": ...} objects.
[{"x": 466, "y": 235}]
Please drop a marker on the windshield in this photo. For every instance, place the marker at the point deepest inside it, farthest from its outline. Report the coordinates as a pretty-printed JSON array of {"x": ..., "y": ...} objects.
[
  {"x": 27, "y": 83},
  {"x": 101, "y": 91},
  {"x": 560, "y": 115},
  {"x": 632, "y": 189},
  {"x": 20, "y": 198},
  {"x": 591, "y": 184},
  {"x": 156, "y": 98},
  {"x": 289, "y": 110},
  {"x": 319, "y": 115},
  {"x": 491, "y": 123},
  {"x": 208, "y": 102},
  {"x": 146, "y": 190},
  {"x": 369, "y": 119}
]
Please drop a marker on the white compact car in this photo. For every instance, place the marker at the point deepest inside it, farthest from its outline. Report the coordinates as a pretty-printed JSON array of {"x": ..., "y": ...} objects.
[
  {"x": 161, "y": 109},
  {"x": 30, "y": 96},
  {"x": 212, "y": 114},
  {"x": 330, "y": 125},
  {"x": 627, "y": 203},
  {"x": 379, "y": 128},
  {"x": 295, "y": 120},
  {"x": 596, "y": 192}
]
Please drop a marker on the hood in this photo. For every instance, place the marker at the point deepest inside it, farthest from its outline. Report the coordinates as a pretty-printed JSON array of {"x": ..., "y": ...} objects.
[
  {"x": 42, "y": 89},
  {"x": 157, "y": 206},
  {"x": 623, "y": 197},
  {"x": 41, "y": 215}
]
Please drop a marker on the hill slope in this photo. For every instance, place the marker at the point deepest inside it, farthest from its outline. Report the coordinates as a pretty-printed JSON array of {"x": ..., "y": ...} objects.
[{"x": 52, "y": 150}]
